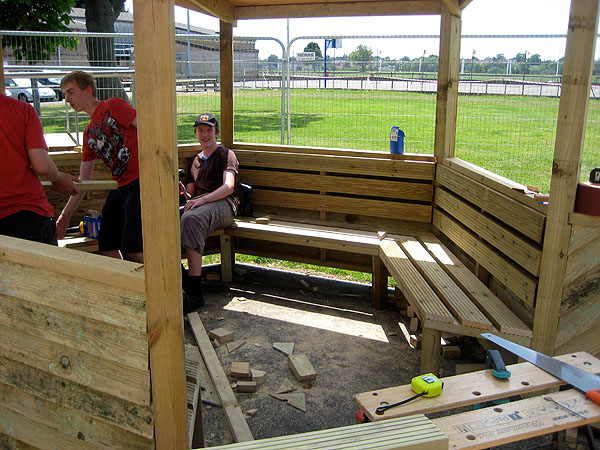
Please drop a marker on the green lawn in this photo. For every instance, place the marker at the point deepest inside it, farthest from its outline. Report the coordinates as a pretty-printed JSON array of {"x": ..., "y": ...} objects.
[{"x": 509, "y": 135}]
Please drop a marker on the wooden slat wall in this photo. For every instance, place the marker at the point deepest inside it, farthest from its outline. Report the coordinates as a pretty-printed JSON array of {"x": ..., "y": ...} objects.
[
  {"x": 73, "y": 350},
  {"x": 499, "y": 231},
  {"x": 579, "y": 317}
]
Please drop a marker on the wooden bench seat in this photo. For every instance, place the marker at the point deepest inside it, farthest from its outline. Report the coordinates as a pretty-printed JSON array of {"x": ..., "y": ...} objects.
[{"x": 447, "y": 297}]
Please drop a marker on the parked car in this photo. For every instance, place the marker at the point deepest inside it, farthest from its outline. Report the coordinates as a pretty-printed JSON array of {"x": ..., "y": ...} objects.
[
  {"x": 54, "y": 84},
  {"x": 21, "y": 89}
]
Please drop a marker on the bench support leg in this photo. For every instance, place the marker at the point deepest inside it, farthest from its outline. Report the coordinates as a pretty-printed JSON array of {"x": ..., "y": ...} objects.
[
  {"x": 379, "y": 283},
  {"x": 226, "y": 259},
  {"x": 431, "y": 349}
]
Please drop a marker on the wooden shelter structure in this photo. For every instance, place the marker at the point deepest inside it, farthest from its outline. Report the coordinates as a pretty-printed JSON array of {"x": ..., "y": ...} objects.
[{"x": 78, "y": 329}]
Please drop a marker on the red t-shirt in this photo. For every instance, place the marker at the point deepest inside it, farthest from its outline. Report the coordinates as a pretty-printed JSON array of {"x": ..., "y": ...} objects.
[
  {"x": 110, "y": 137},
  {"x": 20, "y": 188}
]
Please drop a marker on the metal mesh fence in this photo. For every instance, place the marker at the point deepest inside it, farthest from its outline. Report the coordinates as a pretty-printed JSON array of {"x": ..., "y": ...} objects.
[{"x": 507, "y": 109}]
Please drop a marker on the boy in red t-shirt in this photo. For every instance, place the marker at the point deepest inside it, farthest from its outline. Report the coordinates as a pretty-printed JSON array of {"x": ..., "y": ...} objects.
[
  {"x": 110, "y": 136},
  {"x": 24, "y": 208}
]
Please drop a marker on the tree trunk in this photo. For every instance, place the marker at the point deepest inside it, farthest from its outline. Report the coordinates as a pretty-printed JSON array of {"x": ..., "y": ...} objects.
[{"x": 100, "y": 16}]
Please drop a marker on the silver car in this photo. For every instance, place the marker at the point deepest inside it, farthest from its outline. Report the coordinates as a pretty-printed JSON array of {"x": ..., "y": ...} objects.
[{"x": 20, "y": 88}]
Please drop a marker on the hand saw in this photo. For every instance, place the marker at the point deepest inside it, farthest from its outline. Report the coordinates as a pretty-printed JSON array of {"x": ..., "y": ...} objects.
[{"x": 576, "y": 377}]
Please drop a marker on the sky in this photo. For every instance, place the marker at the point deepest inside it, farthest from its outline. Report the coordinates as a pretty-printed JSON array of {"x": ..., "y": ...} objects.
[{"x": 480, "y": 17}]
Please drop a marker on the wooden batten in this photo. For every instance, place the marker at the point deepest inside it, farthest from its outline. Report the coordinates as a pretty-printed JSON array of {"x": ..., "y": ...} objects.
[
  {"x": 154, "y": 34},
  {"x": 570, "y": 133}
]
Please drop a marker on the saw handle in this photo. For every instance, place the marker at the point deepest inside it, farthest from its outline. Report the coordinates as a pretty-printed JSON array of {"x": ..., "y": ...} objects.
[{"x": 594, "y": 395}]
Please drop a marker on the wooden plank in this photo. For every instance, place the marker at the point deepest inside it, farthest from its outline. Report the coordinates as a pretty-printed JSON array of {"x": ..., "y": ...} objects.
[
  {"x": 393, "y": 189},
  {"x": 448, "y": 77},
  {"x": 516, "y": 280},
  {"x": 518, "y": 216},
  {"x": 96, "y": 432},
  {"x": 90, "y": 185},
  {"x": 233, "y": 413},
  {"x": 327, "y": 151},
  {"x": 87, "y": 266},
  {"x": 332, "y": 203},
  {"x": 106, "y": 376},
  {"x": 583, "y": 257},
  {"x": 114, "y": 305},
  {"x": 154, "y": 40},
  {"x": 523, "y": 419},
  {"x": 419, "y": 170},
  {"x": 415, "y": 433},
  {"x": 496, "y": 311},
  {"x": 222, "y": 10},
  {"x": 286, "y": 232},
  {"x": 496, "y": 182},
  {"x": 457, "y": 302},
  {"x": 194, "y": 369},
  {"x": 384, "y": 8},
  {"x": 514, "y": 246},
  {"x": 416, "y": 290},
  {"x": 379, "y": 283},
  {"x": 570, "y": 134},
  {"x": 77, "y": 332},
  {"x": 138, "y": 419},
  {"x": 474, "y": 387},
  {"x": 588, "y": 340}
]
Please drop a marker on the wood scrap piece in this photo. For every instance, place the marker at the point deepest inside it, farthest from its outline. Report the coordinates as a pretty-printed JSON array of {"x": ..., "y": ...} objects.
[
  {"x": 258, "y": 376},
  {"x": 222, "y": 335},
  {"x": 193, "y": 396},
  {"x": 381, "y": 235},
  {"x": 246, "y": 386},
  {"x": 233, "y": 413},
  {"x": 284, "y": 347},
  {"x": 297, "y": 400},
  {"x": 194, "y": 365},
  {"x": 451, "y": 351},
  {"x": 240, "y": 369},
  {"x": 263, "y": 220},
  {"x": 234, "y": 345},
  {"x": 302, "y": 368},
  {"x": 286, "y": 387}
]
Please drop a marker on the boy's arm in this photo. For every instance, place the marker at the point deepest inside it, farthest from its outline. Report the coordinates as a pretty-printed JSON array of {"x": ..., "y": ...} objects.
[
  {"x": 223, "y": 191},
  {"x": 43, "y": 165},
  {"x": 86, "y": 169}
]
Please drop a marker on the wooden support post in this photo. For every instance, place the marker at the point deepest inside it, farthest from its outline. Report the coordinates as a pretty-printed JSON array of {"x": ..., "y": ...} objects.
[
  {"x": 448, "y": 74},
  {"x": 226, "y": 258},
  {"x": 568, "y": 147},
  {"x": 157, "y": 137},
  {"x": 226, "y": 45},
  {"x": 431, "y": 349},
  {"x": 379, "y": 283}
]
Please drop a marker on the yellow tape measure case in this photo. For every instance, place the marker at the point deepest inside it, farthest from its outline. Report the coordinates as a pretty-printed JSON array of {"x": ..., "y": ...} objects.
[{"x": 429, "y": 385}]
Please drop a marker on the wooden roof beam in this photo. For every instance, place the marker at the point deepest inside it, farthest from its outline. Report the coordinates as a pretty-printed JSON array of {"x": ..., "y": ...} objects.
[
  {"x": 217, "y": 8},
  {"x": 344, "y": 9},
  {"x": 453, "y": 7}
]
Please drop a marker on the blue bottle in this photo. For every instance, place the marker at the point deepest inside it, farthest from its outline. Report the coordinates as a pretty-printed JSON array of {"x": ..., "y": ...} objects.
[{"x": 397, "y": 141}]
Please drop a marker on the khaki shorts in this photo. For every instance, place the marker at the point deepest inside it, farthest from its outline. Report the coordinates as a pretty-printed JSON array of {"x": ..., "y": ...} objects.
[{"x": 198, "y": 223}]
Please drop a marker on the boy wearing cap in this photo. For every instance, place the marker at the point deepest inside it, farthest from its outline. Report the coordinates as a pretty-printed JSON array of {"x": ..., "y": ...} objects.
[
  {"x": 111, "y": 136},
  {"x": 212, "y": 202}
]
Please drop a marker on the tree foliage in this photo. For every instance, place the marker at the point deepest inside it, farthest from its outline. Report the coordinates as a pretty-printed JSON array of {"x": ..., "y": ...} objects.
[
  {"x": 30, "y": 15},
  {"x": 314, "y": 47},
  {"x": 363, "y": 55}
]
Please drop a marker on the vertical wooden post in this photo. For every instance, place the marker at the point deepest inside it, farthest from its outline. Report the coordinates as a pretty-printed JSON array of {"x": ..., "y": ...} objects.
[
  {"x": 379, "y": 283},
  {"x": 154, "y": 36},
  {"x": 226, "y": 84},
  {"x": 566, "y": 167},
  {"x": 448, "y": 74}
]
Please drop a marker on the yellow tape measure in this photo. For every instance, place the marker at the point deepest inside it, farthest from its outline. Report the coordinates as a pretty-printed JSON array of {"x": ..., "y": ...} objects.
[{"x": 427, "y": 385}]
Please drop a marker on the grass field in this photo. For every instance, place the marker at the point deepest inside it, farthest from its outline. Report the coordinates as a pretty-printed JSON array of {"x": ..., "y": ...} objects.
[{"x": 510, "y": 135}]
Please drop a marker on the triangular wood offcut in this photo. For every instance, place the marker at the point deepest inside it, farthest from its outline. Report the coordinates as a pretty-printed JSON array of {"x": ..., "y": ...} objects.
[
  {"x": 231, "y": 346},
  {"x": 285, "y": 387},
  {"x": 284, "y": 347},
  {"x": 297, "y": 400}
]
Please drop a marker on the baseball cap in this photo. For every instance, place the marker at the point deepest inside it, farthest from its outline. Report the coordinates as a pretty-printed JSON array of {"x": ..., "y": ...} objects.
[{"x": 206, "y": 119}]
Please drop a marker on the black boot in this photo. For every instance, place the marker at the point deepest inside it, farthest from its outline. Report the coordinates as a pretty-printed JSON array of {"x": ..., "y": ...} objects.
[
  {"x": 192, "y": 296},
  {"x": 185, "y": 278}
]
